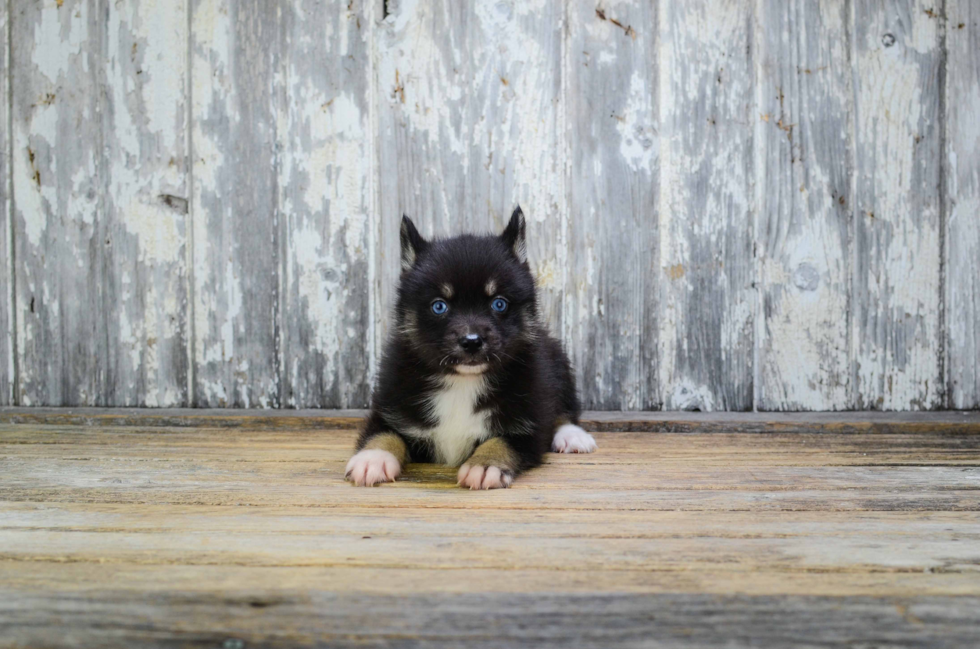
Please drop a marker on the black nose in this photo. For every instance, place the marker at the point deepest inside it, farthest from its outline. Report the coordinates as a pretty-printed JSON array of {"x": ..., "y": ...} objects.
[{"x": 471, "y": 343}]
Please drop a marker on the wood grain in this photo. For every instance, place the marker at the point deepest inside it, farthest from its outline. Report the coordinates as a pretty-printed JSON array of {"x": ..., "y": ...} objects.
[
  {"x": 896, "y": 294},
  {"x": 325, "y": 180},
  {"x": 706, "y": 312},
  {"x": 731, "y": 205},
  {"x": 803, "y": 157},
  {"x": 953, "y": 422},
  {"x": 195, "y": 536},
  {"x": 611, "y": 290},
  {"x": 236, "y": 230},
  {"x": 469, "y": 104},
  {"x": 6, "y": 261},
  {"x": 448, "y": 620},
  {"x": 961, "y": 158},
  {"x": 145, "y": 195},
  {"x": 100, "y": 185},
  {"x": 62, "y": 243}
]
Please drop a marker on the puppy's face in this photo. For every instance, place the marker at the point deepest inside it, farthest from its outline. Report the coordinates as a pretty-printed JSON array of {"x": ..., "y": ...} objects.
[{"x": 466, "y": 304}]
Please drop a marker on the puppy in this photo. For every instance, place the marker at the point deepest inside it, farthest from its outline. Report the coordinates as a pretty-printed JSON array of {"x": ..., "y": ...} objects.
[{"x": 470, "y": 376}]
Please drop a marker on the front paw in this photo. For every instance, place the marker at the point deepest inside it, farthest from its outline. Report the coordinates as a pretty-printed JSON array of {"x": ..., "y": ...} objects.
[
  {"x": 483, "y": 477},
  {"x": 371, "y": 467},
  {"x": 572, "y": 439}
]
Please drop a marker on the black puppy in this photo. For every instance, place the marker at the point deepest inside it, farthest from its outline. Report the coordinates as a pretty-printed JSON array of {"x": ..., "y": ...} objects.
[{"x": 470, "y": 375}]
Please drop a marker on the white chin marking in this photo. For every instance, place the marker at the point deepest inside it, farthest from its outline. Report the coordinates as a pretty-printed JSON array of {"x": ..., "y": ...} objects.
[
  {"x": 572, "y": 439},
  {"x": 373, "y": 466},
  {"x": 470, "y": 369}
]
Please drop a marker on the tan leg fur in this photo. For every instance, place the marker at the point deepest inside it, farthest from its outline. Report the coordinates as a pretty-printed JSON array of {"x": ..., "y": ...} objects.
[
  {"x": 491, "y": 466},
  {"x": 389, "y": 442}
]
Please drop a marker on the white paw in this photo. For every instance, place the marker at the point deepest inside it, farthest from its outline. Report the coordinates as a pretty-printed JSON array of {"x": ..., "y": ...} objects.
[
  {"x": 483, "y": 477},
  {"x": 572, "y": 439},
  {"x": 373, "y": 466}
]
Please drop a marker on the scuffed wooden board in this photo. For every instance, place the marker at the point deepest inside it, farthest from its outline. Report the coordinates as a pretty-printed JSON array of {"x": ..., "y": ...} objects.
[
  {"x": 203, "y": 477},
  {"x": 820, "y": 466},
  {"x": 61, "y": 240},
  {"x": 483, "y": 547},
  {"x": 197, "y": 536},
  {"x": 144, "y": 277},
  {"x": 7, "y": 281},
  {"x": 257, "y": 583},
  {"x": 961, "y": 158},
  {"x": 803, "y": 153},
  {"x": 707, "y": 304},
  {"x": 611, "y": 325},
  {"x": 470, "y": 118},
  {"x": 682, "y": 472},
  {"x": 143, "y": 518},
  {"x": 281, "y": 617},
  {"x": 236, "y": 232},
  {"x": 896, "y": 287},
  {"x": 316, "y": 446},
  {"x": 325, "y": 180},
  {"x": 300, "y": 461}
]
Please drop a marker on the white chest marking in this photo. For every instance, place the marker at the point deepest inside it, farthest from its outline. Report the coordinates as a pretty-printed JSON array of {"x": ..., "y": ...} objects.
[{"x": 460, "y": 428}]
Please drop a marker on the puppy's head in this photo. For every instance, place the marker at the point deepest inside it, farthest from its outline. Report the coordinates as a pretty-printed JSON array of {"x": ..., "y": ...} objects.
[{"x": 466, "y": 304}]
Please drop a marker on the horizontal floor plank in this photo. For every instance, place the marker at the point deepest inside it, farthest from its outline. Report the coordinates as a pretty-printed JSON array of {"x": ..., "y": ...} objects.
[
  {"x": 447, "y": 496},
  {"x": 301, "y": 479},
  {"x": 424, "y": 522},
  {"x": 813, "y": 552},
  {"x": 239, "y": 619},
  {"x": 144, "y": 579}
]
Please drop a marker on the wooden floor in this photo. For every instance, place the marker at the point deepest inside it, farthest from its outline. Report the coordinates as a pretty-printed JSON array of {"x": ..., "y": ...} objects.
[{"x": 227, "y": 531}]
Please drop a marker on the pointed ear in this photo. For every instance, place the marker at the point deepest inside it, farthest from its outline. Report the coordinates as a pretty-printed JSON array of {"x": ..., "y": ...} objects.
[
  {"x": 412, "y": 244},
  {"x": 514, "y": 235}
]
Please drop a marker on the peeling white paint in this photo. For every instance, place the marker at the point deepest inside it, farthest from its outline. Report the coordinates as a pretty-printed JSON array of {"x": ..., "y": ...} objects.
[
  {"x": 162, "y": 24},
  {"x": 802, "y": 135},
  {"x": 897, "y": 344},
  {"x": 477, "y": 108},
  {"x": 70, "y": 26},
  {"x": 470, "y": 119},
  {"x": 30, "y": 196},
  {"x": 638, "y": 144},
  {"x": 686, "y": 395},
  {"x": 704, "y": 313}
]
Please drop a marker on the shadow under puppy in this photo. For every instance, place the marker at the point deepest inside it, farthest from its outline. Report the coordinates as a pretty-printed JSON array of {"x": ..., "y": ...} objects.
[{"x": 470, "y": 377}]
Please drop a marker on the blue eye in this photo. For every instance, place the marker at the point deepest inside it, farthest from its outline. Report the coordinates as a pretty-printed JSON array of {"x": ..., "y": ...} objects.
[
  {"x": 439, "y": 307},
  {"x": 499, "y": 304}
]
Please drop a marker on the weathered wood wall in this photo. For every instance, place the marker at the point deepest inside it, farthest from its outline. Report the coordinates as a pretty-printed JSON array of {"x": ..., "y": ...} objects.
[{"x": 733, "y": 204}]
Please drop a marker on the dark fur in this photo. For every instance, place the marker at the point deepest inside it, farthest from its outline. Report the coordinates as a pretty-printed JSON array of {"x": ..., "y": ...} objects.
[{"x": 529, "y": 377}]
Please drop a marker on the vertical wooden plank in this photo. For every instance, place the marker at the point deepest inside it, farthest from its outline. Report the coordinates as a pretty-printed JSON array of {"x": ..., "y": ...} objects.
[
  {"x": 234, "y": 203},
  {"x": 98, "y": 168},
  {"x": 707, "y": 268},
  {"x": 325, "y": 138},
  {"x": 613, "y": 145},
  {"x": 803, "y": 190},
  {"x": 470, "y": 124},
  {"x": 962, "y": 189},
  {"x": 896, "y": 211},
  {"x": 6, "y": 274},
  {"x": 61, "y": 245},
  {"x": 146, "y": 195}
]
